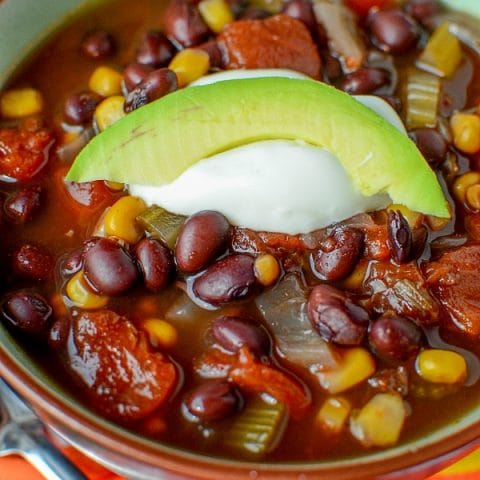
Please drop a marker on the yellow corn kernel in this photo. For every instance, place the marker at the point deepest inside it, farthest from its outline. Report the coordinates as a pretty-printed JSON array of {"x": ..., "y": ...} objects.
[
  {"x": 355, "y": 367},
  {"x": 472, "y": 197},
  {"x": 81, "y": 295},
  {"x": 333, "y": 414},
  {"x": 21, "y": 102},
  {"x": 441, "y": 366},
  {"x": 120, "y": 221},
  {"x": 106, "y": 81},
  {"x": 414, "y": 219},
  {"x": 267, "y": 269},
  {"x": 161, "y": 333},
  {"x": 466, "y": 132},
  {"x": 379, "y": 423},
  {"x": 109, "y": 111},
  {"x": 189, "y": 65},
  {"x": 355, "y": 280},
  {"x": 115, "y": 186},
  {"x": 215, "y": 13},
  {"x": 463, "y": 182}
]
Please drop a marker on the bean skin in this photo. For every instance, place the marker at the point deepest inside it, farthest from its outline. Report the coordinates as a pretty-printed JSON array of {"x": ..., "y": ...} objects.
[
  {"x": 202, "y": 238},
  {"x": 98, "y": 45},
  {"x": 20, "y": 206},
  {"x": 33, "y": 262},
  {"x": 156, "y": 50},
  {"x": 399, "y": 237},
  {"x": 365, "y": 80},
  {"x": 134, "y": 73},
  {"x": 230, "y": 278},
  {"x": 335, "y": 317},
  {"x": 80, "y": 107}
]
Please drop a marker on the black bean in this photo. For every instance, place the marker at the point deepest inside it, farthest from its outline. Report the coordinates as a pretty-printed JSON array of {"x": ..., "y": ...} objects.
[
  {"x": 29, "y": 312},
  {"x": 98, "y": 45},
  {"x": 254, "y": 13},
  {"x": 365, "y": 80},
  {"x": 72, "y": 263},
  {"x": 233, "y": 333},
  {"x": 214, "y": 53},
  {"x": 301, "y": 10},
  {"x": 399, "y": 237},
  {"x": 422, "y": 10},
  {"x": 21, "y": 205},
  {"x": 134, "y": 73},
  {"x": 155, "y": 85},
  {"x": 33, "y": 262},
  {"x": 80, "y": 107},
  {"x": 201, "y": 239},
  {"x": 393, "y": 31},
  {"x": 156, "y": 50},
  {"x": 230, "y": 278},
  {"x": 431, "y": 143},
  {"x": 156, "y": 263},
  {"x": 335, "y": 317},
  {"x": 108, "y": 267},
  {"x": 395, "y": 338}
]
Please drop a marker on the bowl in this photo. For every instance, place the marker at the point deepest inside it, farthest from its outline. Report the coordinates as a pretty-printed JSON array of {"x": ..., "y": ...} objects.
[{"x": 24, "y": 25}]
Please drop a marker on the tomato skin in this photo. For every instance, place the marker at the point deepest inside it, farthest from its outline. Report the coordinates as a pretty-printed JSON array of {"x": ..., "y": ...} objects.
[{"x": 361, "y": 7}]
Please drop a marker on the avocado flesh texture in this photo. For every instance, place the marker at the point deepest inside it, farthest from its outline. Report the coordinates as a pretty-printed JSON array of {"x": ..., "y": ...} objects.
[{"x": 156, "y": 143}]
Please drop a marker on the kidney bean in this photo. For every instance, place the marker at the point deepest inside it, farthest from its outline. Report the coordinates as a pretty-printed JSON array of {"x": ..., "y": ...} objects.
[
  {"x": 156, "y": 263},
  {"x": 184, "y": 23},
  {"x": 72, "y": 263},
  {"x": 214, "y": 52},
  {"x": 80, "y": 107},
  {"x": 155, "y": 85},
  {"x": 399, "y": 237},
  {"x": 254, "y": 13},
  {"x": 335, "y": 317},
  {"x": 201, "y": 239},
  {"x": 301, "y": 10},
  {"x": 156, "y": 50},
  {"x": 134, "y": 73},
  {"x": 108, "y": 267},
  {"x": 27, "y": 311},
  {"x": 213, "y": 400},
  {"x": 21, "y": 205},
  {"x": 394, "y": 338},
  {"x": 230, "y": 278},
  {"x": 338, "y": 254},
  {"x": 32, "y": 261},
  {"x": 422, "y": 10},
  {"x": 431, "y": 143},
  {"x": 393, "y": 31},
  {"x": 419, "y": 239},
  {"x": 58, "y": 333},
  {"x": 232, "y": 333},
  {"x": 98, "y": 45},
  {"x": 365, "y": 80}
]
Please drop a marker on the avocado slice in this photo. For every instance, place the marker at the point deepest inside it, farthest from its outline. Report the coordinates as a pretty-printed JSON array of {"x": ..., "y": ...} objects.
[{"x": 156, "y": 143}]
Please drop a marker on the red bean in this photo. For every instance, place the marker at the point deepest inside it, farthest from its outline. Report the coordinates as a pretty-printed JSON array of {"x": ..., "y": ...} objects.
[
  {"x": 422, "y": 10},
  {"x": 27, "y": 311},
  {"x": 33, "y": 262},
  {"x": 338, "y": 254},
  {"x": 80, "y": 107},
  {"x": 73, "y": 263},
  {"x": 301, "y": 10},
  {"x": 202, "y": 238},
  {"x": 108, "y": 267},
  {"x": 233, "y": 333},
  {"x": 134, "y": 73},
  {"x": 365, "y": 80},
  {"x": 214, "y": 52},
  {"x": 156, "y": 263},
  {"x": 399, "y": 237},
  {"x": 184, "y": 23},
  {"x": 98, "y": 45},
  {"x": 156, "y": 50},
  {"x": 254, "y": 13},
  {"x": 335, "y": 317},
  {"x": 393, "y": 31},
  {"x": 431, "y": 143},
  {"x": 214, "y": 400},
  {"x": 230, "y": 278},
  {"x": 21, "y": 205},
  {"x": 155, "y": 85},
  {"x": 395, "y": 338}
]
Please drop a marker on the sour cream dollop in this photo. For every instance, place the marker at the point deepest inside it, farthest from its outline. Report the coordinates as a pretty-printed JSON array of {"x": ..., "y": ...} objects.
[{"x": 275, "y": 185}]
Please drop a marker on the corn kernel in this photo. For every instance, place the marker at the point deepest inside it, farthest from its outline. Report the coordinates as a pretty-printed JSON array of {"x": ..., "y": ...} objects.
[
  {"x": 161, "y": 333},
  {"x": 267, "y": 269},
  {"x": 189, "y": 65},
  {"x": 355, "y": 367},
  {"x": 333, "y": 414},
  {"x": 355, "y": 280},
  {"x": 120, "y": 220},
  {"x": 81, "y": 295},
  {"x": 215, "y": 13},
  {"x": 472, "y": 197},
  {"x": 463, "y": 182},
  {"x": 21, "y": 102},
  {"x": 414, "y": 219},
  {"x": 441, "y": 366},
  {"x": 109, "y": 111},
  {"x": 106, "y": 81},
  {"x": 115, "y": 186},
  {"x": 379, "y": 423},
  {"x": 466, "y": 132}
]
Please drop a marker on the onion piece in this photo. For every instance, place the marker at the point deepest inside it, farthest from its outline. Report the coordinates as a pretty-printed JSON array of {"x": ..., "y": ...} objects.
[{"x": 465, "y": 28}]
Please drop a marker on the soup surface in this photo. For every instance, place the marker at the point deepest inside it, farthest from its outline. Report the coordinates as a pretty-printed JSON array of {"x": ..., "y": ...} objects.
[{"x": 215, "y": 337}]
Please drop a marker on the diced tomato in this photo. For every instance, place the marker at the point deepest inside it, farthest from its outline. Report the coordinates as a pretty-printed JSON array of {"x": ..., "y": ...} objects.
[
  {"x": 246, "y": 240},
  {"x": 214, "y": 364},
  {"x": 363, "y": 6}
]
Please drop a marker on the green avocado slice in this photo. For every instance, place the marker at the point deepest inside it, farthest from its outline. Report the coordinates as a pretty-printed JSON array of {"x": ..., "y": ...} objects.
[{"x": 158, "y": 142}]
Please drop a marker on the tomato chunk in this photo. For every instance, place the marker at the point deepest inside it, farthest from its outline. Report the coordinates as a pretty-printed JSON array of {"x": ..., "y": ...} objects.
[{"x": 121, "y": 374}]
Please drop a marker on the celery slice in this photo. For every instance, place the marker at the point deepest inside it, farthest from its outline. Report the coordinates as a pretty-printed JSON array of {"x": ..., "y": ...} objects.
[
  {"x": 161, "y": 224},
  {"x": 442, "y": 54},
  {"x": 257, "y": 430}
]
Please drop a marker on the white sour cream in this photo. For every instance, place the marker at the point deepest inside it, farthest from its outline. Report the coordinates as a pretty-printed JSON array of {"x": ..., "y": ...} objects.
[{"x": 275, "y": 185}]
